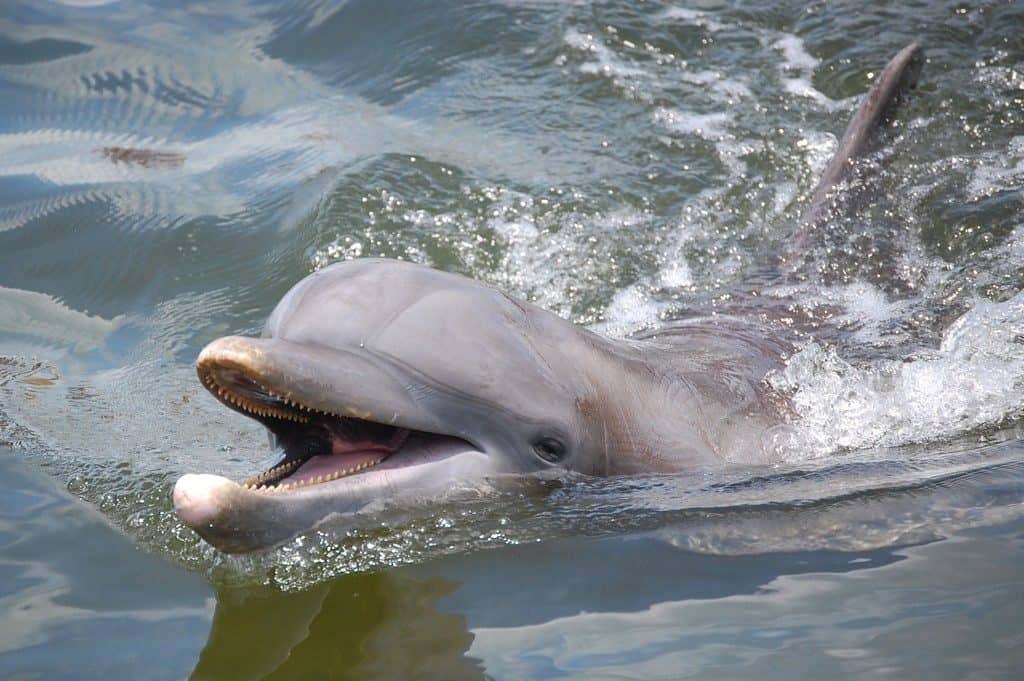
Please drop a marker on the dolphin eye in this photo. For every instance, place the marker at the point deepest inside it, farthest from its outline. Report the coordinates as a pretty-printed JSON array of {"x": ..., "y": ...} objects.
[{"x": 549, "y": 449}]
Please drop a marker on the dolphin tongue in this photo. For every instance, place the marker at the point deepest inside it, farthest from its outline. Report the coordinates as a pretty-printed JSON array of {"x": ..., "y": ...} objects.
[{"x": 347, "y": 455}]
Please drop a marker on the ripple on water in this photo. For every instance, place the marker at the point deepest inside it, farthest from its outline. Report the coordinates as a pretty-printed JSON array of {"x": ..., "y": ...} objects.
[{"x": 619, "y": 166}]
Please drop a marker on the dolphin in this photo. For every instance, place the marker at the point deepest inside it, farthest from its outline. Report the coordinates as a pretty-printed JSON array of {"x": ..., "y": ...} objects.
[{"x": 376, "y": 378}]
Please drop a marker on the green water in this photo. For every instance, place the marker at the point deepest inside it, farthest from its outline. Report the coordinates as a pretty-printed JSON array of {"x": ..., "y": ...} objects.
[{"x": 169, "y": 170}]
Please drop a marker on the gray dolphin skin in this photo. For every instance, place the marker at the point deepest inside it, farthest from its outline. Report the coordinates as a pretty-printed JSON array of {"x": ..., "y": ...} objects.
[{"x": 378, "y": 378}]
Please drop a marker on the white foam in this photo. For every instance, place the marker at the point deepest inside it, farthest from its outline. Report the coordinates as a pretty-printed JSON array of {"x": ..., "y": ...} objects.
[
  {"x": 710, "y": 126},
  {"x": 676, "y": 274},
  {"x": 795, "y": 53},
  {"x": 1001, "y": 171},
  {"x": 549, "y": 267},
  {"x": 606, "y": 62},
  {"x": 818, "y": 148},
  {"x": 863, "y": 308},
  {"x": 797, "y": 68},
  {"x": 630, "y": 310},
  {"x": 1013, "y": 249},
  {"x": 785, "y": 192},
  {"x": 733, "y": 88},
  {"x": 974, "y": 379},
  {"x": 515, "y": 231},
  {"x": 695, "y": 17},
  {"x": 802, "y": 87},
  {"x": 868, "y": 307}
]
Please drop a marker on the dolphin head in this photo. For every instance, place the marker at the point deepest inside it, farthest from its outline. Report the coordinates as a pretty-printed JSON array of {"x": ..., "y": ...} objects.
[{"x": 374, "y": 377}]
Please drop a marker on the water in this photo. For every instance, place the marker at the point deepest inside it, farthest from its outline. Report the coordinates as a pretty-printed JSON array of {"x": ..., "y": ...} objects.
[{"x": 168, "y": 171}]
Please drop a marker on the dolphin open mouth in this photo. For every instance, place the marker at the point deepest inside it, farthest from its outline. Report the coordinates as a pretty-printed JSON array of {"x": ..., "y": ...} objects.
[
  {"x": 336, "y": 457},
  {"x": 319, "y": 444},
  {"x": 353, "y": 429}
]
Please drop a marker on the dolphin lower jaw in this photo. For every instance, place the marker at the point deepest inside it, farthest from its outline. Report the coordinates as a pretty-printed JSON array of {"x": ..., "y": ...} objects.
[{"x": 236, "y": 519}]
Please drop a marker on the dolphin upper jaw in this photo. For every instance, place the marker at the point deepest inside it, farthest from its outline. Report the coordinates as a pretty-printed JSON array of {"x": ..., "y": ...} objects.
[{"x": 320, "y": 378}]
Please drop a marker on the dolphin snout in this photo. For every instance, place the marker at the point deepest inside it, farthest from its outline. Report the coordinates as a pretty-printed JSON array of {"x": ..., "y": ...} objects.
[{"x": 200, "y": 498}]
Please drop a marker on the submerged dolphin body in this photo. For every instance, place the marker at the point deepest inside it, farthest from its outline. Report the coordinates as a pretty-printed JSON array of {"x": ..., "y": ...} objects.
[{"x": 378, "y": 377}]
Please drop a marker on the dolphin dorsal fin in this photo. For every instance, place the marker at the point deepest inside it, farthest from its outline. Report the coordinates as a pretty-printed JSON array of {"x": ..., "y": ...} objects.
[{"x": 876, "y": 109}]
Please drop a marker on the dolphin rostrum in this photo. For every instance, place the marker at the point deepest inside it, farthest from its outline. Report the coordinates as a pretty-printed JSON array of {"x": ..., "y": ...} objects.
[{"x": 377, "y": 376}]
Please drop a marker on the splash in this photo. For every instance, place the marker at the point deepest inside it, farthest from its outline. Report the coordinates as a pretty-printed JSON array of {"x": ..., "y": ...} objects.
[{"x": 973, "y": 380}]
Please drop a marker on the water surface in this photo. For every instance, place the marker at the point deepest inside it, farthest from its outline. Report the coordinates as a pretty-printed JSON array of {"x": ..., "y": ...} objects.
[{"x": 169, "y": 170}]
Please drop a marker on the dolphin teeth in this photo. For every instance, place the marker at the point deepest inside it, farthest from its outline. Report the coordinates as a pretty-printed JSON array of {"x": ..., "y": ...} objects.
[{"x": 259, "y": 482}]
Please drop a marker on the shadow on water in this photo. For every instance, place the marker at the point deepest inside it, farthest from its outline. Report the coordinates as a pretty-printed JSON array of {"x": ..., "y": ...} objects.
[
  {"x": 651, "y": 612},
  {"x": 413, "y": 623},
  {"x": 360, "y": 626}
]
